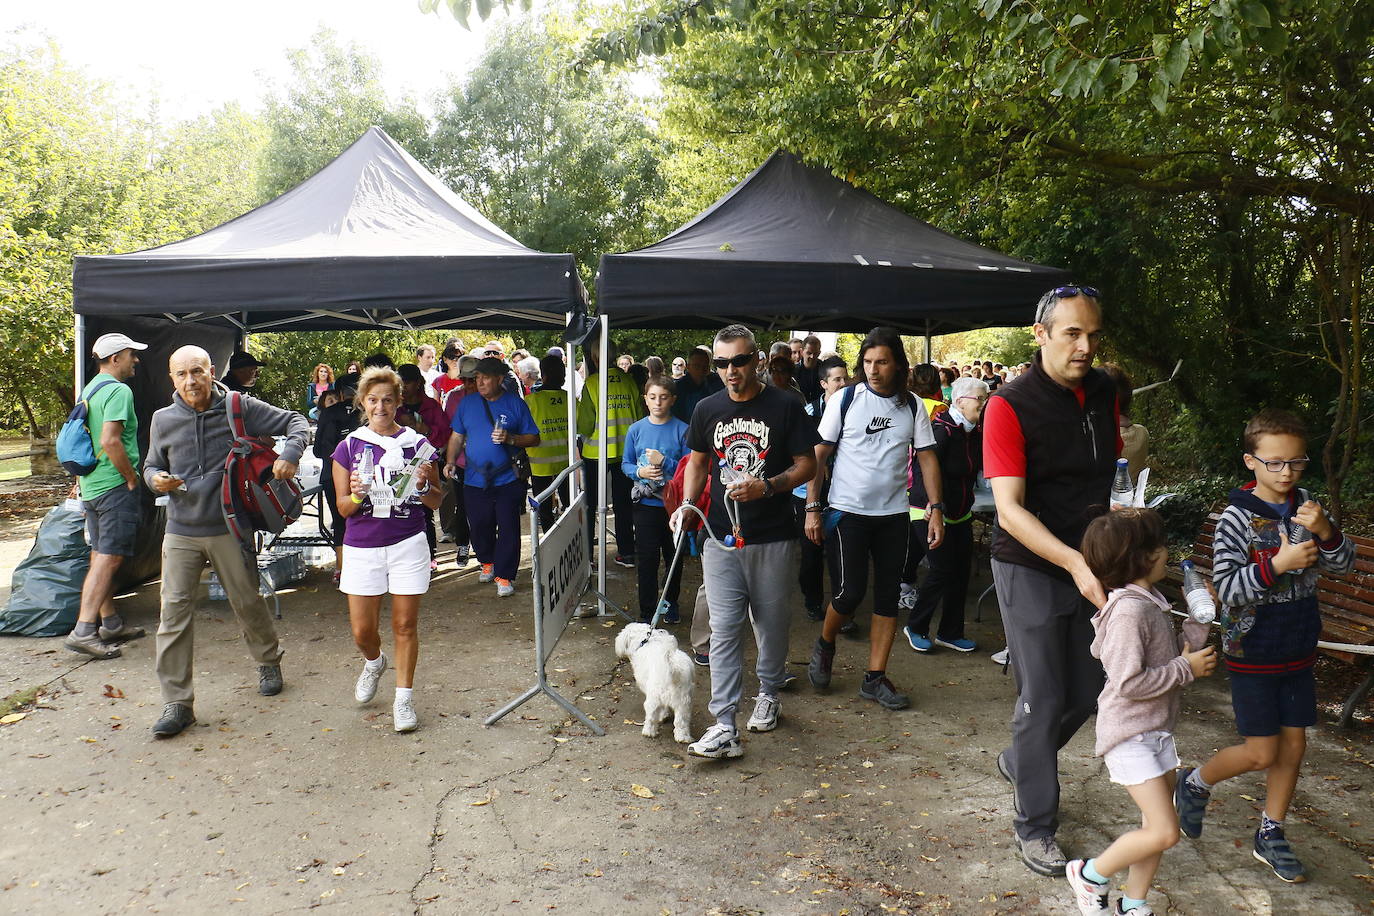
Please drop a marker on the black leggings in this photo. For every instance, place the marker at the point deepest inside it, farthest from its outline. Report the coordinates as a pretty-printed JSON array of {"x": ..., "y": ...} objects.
[{"x": 857, "y": 538}]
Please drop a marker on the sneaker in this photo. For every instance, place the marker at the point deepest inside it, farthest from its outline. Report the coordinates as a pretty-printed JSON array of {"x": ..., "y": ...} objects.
[
  {"x": 1002, "y": 658},
  {"x": 175, "y": 719},
  {"x": 884, "y": 693},
  {"x": 701, "y": 659},
  {"x": 433, "y": 566},
  {"x": 1043, "y": 856},
  {"x": 822, "y": 660},
  {"x": 671, "y": 616},
  {"x": 1190, "y": 804},
  {"x": 125, "y": 633},
  {"x": 958, "y": 645},
  {"x": 504, "y": 588},
  {"x": 765, "y": 717},
  {"x": 91, "y": 645},
  {"x": 1006, "y": 774},
  {"x": 366, "y": 687},
  {"x": 269, "y": 680},
  {"x": 1142, "y": 910},
  {"x": 461, "y": 555},
  {"x": 815, "y": 612},
  {"x": 849, "y": 628},
  {"x": 719, "y": 741},
  {"x": 403, "y": 714},
  {"x": 445, "y": 537},
  {"x": 1090, "y": 896},
  {"x": 627, "y": 562},
  {"x": 918, "y": 642},
  {"x": 1273, "y": 850},
  {"x": 906, "y": 600},
  {"x": 487, "y": 573},
  {"x": 789, "y": 680}
]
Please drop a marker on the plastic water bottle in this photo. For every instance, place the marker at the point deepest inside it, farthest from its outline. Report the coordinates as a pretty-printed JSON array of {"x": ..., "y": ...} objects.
[
  {"x": 1297, "y": 534},
  {"x": 366, "y": 470},
  {"x": 1123, "y": 492},
  {"x": 500, "y": 422},
  {"x": 1201, "y": 607}
]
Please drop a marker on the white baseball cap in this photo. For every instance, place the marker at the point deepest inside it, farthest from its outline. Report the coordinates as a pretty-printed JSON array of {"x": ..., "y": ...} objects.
[{"x": 107, "y": 345}]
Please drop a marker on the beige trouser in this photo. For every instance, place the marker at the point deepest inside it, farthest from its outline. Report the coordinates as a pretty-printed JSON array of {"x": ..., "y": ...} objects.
[{"x": 183, "y": 559}]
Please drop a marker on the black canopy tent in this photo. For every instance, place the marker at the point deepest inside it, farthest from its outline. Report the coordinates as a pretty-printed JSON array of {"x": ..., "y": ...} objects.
[{"x": 792, "y": 246}]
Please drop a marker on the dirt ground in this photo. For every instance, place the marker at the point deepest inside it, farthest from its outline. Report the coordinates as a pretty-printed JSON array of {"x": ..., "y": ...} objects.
[{"x": 306, "y": 800}]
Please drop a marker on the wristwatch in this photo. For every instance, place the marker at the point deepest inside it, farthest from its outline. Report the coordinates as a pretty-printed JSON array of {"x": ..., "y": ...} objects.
[
  {"x": 936, "y": 507},
  {"x": 767, "y": 487}
]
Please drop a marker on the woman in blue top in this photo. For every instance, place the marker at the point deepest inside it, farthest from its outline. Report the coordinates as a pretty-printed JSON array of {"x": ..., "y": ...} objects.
[{"x": 653, "y": 446}]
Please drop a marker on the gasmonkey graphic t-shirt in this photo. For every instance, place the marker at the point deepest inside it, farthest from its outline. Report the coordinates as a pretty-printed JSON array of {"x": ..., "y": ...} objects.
[
  {"x": 873, "y": 449},
  {"x": 758, "y": 437}
]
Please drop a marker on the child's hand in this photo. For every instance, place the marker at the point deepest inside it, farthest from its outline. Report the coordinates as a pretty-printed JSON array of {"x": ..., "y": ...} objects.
[
  {"x": 1203, "y": 661},
  {"x": 1311, "y": 517},
  {"x": 1295, "y": 556}
]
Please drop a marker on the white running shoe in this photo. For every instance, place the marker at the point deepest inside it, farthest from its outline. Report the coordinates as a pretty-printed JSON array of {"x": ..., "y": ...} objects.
[
  {"x": 1002, "y": 658},
  {"x": 404, "y": 715},
  {"x": 765, "y": 717},
  {"x": 367, "y": 682},
  {"x": 719, "y": 741},
  {"x": 1090, "y": 896},
  {"x": 907, "y": 599}
]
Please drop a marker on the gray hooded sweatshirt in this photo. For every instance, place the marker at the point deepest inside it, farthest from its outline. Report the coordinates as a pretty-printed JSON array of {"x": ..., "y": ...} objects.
[{"x": 193, "y": 445}]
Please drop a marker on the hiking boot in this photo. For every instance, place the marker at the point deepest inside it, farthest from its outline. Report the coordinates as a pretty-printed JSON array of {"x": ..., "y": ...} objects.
[
  {"x": 1273, "y": 850},
  {"x": 269, "y": 680},
  {"x": 91, "y": 645},
  {"x": 403, "y": 714},
  {"x": 504, "y": 588},
  {"x": 487, "y": 574},
  {"x": 822, "y": 660},
  {"x": 176, "y": 717},
  {"x": 1190, "y": 804},
  {"x": 719, "y": 741},
  {"x": 919, "y": 643},
  {"x": 1043, "y": 856},
  {"x": 906, "y": 600},
  {"x": 958, "y": 645},
  {"x": 882, "y": 692},
  {"x": 125, "y": 633},
  {"x": 366, "y": 687},
  {"x": 765, "y": 717},
  {"x": 1090, "y": 896}
]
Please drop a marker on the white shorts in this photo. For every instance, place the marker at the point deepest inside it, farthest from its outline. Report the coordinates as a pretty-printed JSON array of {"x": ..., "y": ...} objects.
[
  {"x": 397, "y": 569},
  {"x": 1138, "y": 760}
]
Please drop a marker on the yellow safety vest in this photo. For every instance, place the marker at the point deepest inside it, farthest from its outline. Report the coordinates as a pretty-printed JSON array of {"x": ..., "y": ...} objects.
[
  {"x": 549, "y": 407},
  {"x": 624, "y": 405}
]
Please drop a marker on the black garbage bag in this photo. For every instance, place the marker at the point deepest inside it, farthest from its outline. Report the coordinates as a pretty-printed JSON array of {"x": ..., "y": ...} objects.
[{"x": 46, "y": 592}]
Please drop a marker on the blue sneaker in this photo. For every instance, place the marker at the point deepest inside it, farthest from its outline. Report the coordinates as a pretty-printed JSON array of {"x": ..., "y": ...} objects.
[
  {"x": 1273, "y": 850},
  {"x": 958, "y": 645},
  {"x": 1190, "y": 805},
  {"x": 918, "y": 642}
]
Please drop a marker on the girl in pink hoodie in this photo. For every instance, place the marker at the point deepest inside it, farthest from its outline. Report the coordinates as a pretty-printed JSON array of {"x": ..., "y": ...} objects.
[{"x": 1146, "y": 664}]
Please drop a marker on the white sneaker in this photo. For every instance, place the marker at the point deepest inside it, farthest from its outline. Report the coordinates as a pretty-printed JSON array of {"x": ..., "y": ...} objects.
[
  {"x": 367, "y": 682},
  {"x": 1001, "y": 658},
  {"x": 719, "y": 741},
  {"x": 1090, "y": 896},
  {"x": 907, "y": 599},
  {"x": 765, "y": 717},
  {"x": 404, "y": 715}
]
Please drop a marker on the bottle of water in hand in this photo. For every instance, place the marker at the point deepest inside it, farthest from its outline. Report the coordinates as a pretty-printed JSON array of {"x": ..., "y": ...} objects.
[
  {"x": 1297, "y": 533},
  {"x": 1123, "y": 492},
  {"x": 1201, "y": 607}
]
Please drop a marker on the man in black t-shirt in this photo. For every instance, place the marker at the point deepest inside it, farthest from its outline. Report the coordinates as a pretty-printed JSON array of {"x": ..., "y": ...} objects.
[{"x": 760, "y": 439}]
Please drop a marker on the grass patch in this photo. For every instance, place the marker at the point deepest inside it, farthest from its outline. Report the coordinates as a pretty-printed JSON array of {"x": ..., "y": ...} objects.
[{"x": 16, "y": 702}]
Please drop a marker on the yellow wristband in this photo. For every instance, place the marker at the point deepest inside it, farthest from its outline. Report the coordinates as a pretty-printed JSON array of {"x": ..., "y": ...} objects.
[{"x": 355, "y": 498}]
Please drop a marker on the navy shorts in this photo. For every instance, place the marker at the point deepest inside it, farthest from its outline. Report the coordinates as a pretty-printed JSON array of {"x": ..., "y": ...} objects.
[
  {"x": 1265, "y": 703},
  {"x": 112, "y": 521}
]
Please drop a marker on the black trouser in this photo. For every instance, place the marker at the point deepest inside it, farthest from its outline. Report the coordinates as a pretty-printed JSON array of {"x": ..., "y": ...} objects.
[
  {"x": 331, "y": 497},
  {"x": 946, "y": 583},
  {"x": 454, "y": 513},
  {"x": 655, "y": 543},
  {"x": 915, "y": 553},
  {"x": 855, "y": 539},
  {"x": 547, "y": 515},
  {"x": 811, "y": 575},
  {"x": 620, "y": 502}
]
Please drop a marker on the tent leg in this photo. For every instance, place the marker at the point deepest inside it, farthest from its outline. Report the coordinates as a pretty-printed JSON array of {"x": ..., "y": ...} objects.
[
  {"x": 927, "y": 342},
  {"x": 603, "y": 484},
  {"x": 79, "y": 362}
]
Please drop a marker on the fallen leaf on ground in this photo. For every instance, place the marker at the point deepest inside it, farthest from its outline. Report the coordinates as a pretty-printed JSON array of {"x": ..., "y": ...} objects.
[
  {"x": 641, "y": 791},
  {"x": 113, "y": 692},
  {"x": 13, "y": 717},
  {"x": 490, "y": 797}
]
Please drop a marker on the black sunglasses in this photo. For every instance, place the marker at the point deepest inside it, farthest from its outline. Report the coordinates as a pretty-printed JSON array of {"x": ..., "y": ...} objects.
[
  {"x": 739, "y": 362},
  {"x": 1063, "y": 292}
]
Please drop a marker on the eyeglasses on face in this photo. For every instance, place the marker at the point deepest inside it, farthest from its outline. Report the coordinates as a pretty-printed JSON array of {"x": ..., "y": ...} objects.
[
  {"x": 1275, "y": 467},
  {"x": 982, "y": 402},
  {"x": 739, "y": 362}
]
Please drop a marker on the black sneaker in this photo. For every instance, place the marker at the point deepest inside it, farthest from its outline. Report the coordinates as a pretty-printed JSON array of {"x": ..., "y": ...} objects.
[
  {"x": 269, "y": 680},
  {"x": 176, "y": 717},
  {"x": 882, "y": 692},
  {"x": 627, "y": 562},
  {"x": 1273, "y": 850},
  {"x": 849, "y": 628},
  {"x": 701, "y": 659},
  {"x": 815, "y": 612},
  {"x": 822, "y": 660}
]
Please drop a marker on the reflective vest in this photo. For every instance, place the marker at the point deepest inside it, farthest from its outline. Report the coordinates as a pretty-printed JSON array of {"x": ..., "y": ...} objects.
[
  {"x": 624, "y": 405},
  {"x": 549, "y": 408}
]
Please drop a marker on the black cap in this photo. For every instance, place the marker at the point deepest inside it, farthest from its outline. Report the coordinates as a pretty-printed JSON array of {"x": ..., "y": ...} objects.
[
  {"x": 490, "y": 365},
  {"x": 242, "y": 360},
  {"x": 346, "y": 382}
]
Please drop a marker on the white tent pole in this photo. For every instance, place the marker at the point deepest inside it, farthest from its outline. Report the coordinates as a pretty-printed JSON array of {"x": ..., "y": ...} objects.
[
  {"x": 603, "y": 485},
  {"x": 79, "y": 352},
  {"x": 569, "y": 384}
]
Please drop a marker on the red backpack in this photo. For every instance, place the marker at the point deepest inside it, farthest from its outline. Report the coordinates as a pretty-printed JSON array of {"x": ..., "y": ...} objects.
[
  {"x": 252, "y": 499},
  {"x": 672, "y": 496}
]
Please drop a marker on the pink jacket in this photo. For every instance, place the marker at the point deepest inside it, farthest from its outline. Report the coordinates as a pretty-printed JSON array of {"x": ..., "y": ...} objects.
[{"x": 1140, "y": 652}]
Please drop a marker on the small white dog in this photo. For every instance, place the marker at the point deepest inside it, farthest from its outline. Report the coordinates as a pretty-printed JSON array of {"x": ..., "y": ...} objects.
[{"x": 663, "y": 673}]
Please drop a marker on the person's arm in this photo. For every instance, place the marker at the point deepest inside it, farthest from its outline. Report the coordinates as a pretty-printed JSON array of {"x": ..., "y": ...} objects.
[
  {"x": 1015, "y": 519},
  {"x": 629, "y": 456},
  {"x": 694, "y": 478},
  {"x": 262, "y": 419},
  {"x": 814, "y": 506},
  {"x": 930, "y": 477},
  {"x": 456, "y": 441},
  {"x": 1123, "y": 658},
  {"x": 112, "y": 445}
]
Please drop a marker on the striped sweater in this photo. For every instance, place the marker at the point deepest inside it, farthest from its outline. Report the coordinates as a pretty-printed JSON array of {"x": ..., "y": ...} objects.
[{"x": 1270, "y": 623}]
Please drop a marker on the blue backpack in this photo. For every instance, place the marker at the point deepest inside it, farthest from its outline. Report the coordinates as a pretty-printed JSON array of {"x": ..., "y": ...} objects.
[{"x": 75, "y": 447}]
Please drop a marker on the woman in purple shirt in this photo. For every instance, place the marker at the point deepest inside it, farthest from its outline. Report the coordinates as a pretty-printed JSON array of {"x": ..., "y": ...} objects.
[{"x": 384, "y": 545}]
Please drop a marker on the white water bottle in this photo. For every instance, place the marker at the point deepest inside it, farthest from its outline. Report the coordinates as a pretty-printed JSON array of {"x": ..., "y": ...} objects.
[
  {"x": 1201, "y": 607},
  {"x": 1123, "y": 493}
]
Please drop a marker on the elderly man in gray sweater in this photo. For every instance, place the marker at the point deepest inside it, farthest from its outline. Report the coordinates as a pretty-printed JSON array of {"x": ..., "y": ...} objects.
[{"x": 187, "y": 447}]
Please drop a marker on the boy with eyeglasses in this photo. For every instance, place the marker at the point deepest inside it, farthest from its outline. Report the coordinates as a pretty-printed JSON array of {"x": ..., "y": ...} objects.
[{"x": 1270, "y": 542}]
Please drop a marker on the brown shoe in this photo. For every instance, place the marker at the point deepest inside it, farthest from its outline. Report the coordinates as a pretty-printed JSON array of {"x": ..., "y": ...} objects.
[
  {"x": 90, "y": 645},
  {"x": 125, "y": 633}
]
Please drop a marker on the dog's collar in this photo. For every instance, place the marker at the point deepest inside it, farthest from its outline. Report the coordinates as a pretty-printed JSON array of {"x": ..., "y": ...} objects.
[{"x": 648, "y": 636}]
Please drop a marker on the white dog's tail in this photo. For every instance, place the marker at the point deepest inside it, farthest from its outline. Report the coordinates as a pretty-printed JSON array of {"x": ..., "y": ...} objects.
[{"x": 680, "y": 664}]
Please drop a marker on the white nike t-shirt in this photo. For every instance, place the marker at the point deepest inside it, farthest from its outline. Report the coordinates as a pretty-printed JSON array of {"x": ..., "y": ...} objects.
[{"x": 871, "y": 457}]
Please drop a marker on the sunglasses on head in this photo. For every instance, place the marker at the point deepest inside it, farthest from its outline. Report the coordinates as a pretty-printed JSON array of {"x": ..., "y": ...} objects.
[
  {"x": 1064, "y": 292},
  {"x": 739, "y": 362}
]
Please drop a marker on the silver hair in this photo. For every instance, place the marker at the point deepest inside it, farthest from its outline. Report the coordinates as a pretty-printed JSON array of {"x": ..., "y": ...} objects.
[
  {"x": 736, "y": 332},
  {"x": 966, "y": 387},
  {"x": 529, "y": 366}
]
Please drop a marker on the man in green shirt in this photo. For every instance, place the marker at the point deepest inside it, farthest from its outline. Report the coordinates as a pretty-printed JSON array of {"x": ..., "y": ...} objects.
[{"x": 110, "y": 495}]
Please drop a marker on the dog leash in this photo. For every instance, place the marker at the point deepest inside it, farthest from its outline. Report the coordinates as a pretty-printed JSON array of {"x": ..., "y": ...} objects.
[{"x": 682, "y": 537}]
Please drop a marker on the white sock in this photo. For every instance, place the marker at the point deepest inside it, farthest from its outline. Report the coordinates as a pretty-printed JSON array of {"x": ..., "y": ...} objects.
[
  {"x": 375, "y": 664},
  {"x": 403, "y": 694}
]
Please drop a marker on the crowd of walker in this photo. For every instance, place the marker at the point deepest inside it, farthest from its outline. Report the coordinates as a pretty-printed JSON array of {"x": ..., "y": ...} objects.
[{"x": 807, "y": 471}]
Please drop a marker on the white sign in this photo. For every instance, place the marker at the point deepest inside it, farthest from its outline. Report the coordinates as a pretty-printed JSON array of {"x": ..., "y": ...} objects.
[{"x": 564, "y": 567}]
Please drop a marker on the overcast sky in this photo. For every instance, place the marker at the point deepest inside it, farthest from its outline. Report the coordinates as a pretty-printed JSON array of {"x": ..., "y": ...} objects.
[{"x": 195, "y": 56}]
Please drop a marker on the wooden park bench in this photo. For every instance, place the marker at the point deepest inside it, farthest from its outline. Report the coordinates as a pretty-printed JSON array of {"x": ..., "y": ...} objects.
[{"x": 1347, "y": 606}]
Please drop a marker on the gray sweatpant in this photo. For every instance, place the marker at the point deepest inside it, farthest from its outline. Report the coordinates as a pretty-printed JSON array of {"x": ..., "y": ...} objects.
[
  {"x": 736, "y": 581},
  {"x": 1049, "y": 632}
]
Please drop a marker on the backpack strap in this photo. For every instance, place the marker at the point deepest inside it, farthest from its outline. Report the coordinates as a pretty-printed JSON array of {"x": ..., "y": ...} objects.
[
  {"x": 846, "y": 400},
  {"x": 86, "y": 421}
]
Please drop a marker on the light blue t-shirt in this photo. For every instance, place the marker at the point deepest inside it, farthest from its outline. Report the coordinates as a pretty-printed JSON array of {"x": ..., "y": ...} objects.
[{"x": 670, "y": 438}]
